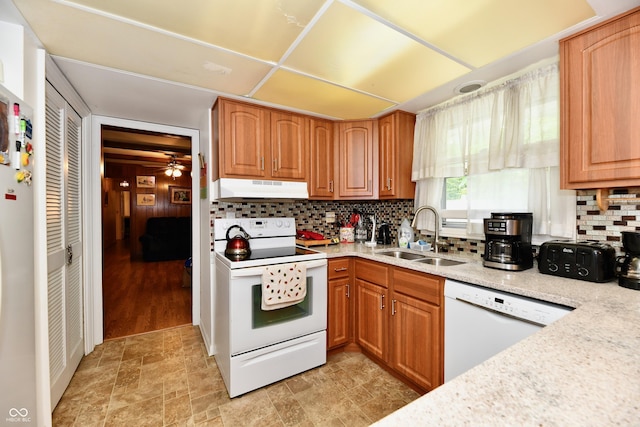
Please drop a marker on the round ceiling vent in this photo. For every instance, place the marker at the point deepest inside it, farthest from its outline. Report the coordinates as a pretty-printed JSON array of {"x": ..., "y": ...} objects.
[{"x": 471, "y": 86}]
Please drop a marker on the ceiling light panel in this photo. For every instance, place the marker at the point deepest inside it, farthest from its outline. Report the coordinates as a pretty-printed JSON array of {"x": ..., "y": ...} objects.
[
  {"x": 481, "y": 31},
  {"x": 311, "y": 95},
  {"x": 91, "y": 38},
  {"x": 356, "y": 51},
  {"x": 262, "y": 29}
]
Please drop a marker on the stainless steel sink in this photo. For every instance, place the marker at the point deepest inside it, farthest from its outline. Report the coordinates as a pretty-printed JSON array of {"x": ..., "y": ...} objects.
[
  {"x": 402, "y": 255},
  {"x": 439, "y": 261}
]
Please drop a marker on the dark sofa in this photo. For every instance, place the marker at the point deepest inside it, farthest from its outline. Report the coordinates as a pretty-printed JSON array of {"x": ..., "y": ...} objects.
[{"x": 166, "y": 238}]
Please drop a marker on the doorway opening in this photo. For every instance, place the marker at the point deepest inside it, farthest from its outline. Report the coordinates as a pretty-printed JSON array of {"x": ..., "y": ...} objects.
[{"x": 146, "y": 231}]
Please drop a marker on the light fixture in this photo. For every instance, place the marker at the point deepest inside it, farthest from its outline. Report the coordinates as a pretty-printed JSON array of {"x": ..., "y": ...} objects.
[
  {"x": 124, "y": 183},
  {"x": 174, "y": 168},
  {"x": 470, "y": 86}
]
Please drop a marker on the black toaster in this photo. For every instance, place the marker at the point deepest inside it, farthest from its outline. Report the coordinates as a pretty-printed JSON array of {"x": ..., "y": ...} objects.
[{"x": 591, "y": 261}]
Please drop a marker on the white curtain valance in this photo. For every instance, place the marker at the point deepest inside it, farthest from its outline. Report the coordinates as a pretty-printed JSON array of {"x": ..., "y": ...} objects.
[
  {"x": 506, "y": 140},
  {"x": 514, "y": 124}
]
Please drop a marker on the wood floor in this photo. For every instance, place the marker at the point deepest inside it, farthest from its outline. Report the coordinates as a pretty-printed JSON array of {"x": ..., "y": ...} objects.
[{"x": 142, "y": 296}]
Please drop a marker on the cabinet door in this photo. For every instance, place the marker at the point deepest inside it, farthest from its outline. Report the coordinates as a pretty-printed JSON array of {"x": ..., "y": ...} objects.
[
  {"x": 289, "y": 135},
  {"x": 371, "y": 324},
  {"x": 242, "y": 141},
  {"x": 395, "y": 139},
  {"x": 356, "y": 156},
  {"x": 600, "y": 107},
  {"x": 338, "y": 312},
  {"x": 388, "y": 153},
  {"x": 416, "y": 341},
  {"x": 321, "y": 170}
]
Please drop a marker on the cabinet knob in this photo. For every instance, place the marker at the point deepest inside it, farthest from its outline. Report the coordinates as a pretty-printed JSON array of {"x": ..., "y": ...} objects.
[
  {"x": 393, "y": 307},
  {"x": 262, "y": 163},
  {"x": 275, "y": 165},
  {"x": 348, "y": 291},
  {"x": 381, "y": 301},
  {"x": 331, "y": 186},
  {"x": 340, "y": 269}
]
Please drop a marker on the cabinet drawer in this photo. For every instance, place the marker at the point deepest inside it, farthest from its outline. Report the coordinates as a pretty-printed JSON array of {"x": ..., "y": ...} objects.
[
  {"x": 373, "y": 272},
  {"x": 425, "y": 287},
  {"x": 338, "y": 267}
]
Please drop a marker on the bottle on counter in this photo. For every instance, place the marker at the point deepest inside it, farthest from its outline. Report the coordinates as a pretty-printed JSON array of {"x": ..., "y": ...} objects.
[{"x": 405, "y": 234}]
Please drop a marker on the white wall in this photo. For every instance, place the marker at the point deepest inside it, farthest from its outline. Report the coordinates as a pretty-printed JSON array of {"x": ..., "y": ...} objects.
[{"x": 206, "y": 271}]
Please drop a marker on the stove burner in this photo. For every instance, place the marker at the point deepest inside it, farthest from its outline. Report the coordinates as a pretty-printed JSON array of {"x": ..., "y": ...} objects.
[
  {"x": 270, "y": 253},
  {"x": 264, "y": 254}
]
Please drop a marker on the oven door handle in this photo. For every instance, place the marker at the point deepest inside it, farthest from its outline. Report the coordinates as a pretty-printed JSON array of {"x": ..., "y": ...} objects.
[{"x": 257, "y": 271}]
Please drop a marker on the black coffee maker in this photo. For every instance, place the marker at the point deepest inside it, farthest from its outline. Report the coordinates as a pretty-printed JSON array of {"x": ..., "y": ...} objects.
[
  {"x": 508, "y": 241},
  {"x": 628, "y": 266}
]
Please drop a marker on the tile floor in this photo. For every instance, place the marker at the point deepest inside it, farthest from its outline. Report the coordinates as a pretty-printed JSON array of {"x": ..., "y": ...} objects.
[{"x": 165, "y": 378}]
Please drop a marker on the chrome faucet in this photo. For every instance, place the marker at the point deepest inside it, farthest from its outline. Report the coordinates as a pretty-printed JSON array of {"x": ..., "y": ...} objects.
[{"x": 436, "y": 239}]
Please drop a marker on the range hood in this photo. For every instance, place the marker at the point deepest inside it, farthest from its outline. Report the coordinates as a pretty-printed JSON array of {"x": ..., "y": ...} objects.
[{"x": 238, "y": 189}]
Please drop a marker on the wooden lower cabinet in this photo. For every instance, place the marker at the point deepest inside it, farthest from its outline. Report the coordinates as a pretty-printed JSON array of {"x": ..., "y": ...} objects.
[
  {"x": 338, "y": 324},
  {"x": 399, "y": 321},
  {"x": 339, "y": 311},
  {"x": 414, "y": 333},
  {"x": 371, "y": 332}
]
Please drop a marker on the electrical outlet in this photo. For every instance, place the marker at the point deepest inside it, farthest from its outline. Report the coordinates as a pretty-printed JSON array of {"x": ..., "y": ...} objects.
[{"x": 330, "y": 217}]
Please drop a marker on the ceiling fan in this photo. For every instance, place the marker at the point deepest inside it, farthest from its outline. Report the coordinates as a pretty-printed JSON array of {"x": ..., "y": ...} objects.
[{"x": 174, "y": 169}]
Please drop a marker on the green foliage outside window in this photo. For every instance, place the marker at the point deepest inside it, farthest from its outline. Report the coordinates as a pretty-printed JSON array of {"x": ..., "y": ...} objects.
[{"x": 456, "y": 187}]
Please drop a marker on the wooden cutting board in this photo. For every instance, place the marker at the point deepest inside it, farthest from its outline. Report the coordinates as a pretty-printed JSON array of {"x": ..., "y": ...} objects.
[{"x": 307, "y": 243}]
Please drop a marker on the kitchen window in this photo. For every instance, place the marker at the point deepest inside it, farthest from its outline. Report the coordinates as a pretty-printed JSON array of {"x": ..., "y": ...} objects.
[{"x": 495, "y": 150}]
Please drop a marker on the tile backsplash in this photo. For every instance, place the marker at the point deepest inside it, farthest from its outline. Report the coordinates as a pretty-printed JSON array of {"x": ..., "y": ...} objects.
[
  {"x": 623, "y": 214},
  {"x": 310, "y": 214},
  {"x": 592, "y": 224}
]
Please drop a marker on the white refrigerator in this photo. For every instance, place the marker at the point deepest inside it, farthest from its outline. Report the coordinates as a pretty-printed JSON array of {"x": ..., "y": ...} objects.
[{"x": 17, "y": 323}]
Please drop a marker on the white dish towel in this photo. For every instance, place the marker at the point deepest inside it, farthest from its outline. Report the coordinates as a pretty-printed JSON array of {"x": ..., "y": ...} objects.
[{"x": 283, "y": 285}]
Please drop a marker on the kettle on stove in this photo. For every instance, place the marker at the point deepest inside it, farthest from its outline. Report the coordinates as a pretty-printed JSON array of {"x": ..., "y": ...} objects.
[
  {"x": 628, "y": 266},
  {"x": 238, "y": 245}
]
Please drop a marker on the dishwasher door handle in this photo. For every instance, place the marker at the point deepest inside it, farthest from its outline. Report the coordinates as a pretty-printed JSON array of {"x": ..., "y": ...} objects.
[{"x": 510, "y": 316}]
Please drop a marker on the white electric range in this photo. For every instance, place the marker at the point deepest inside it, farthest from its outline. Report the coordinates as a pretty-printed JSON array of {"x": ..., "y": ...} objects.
[{"x": 255, "y": 347}]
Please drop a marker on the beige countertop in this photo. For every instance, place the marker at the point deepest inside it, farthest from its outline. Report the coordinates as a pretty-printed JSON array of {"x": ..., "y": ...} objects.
[{"x": 581, "y": 370}]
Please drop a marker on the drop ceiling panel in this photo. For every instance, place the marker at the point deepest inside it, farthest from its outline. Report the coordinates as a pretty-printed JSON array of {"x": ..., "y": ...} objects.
[
  {"x": 307, "y": 94},
  {"x": 262, "y": 29},
  {"x": 335, "y": 58},
  {"x": 95, "y": 39},
  {"x": 479, "y": 32},
  {"x": 356, "y": 51}
]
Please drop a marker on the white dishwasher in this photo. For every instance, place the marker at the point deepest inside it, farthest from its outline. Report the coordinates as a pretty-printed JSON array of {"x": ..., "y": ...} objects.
[{"x": 481, "y": 322}]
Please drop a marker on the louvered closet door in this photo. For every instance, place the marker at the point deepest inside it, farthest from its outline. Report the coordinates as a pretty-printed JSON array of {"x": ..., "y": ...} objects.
[{"x": 64, "y": 243}]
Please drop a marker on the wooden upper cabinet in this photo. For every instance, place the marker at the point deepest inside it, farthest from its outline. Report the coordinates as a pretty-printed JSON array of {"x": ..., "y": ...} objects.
[
  {"x": 321, "y": 167},
  {"x": 258, "y": 142},
  {"x": 395, "y": 139},
  {"x": 600, "y": 105},
  {"x": 348, "y": 160},
  {"x": 357, "y": 155},
  {"x": 289, "y": 136},
  {"x": 243, "y": 130}
]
